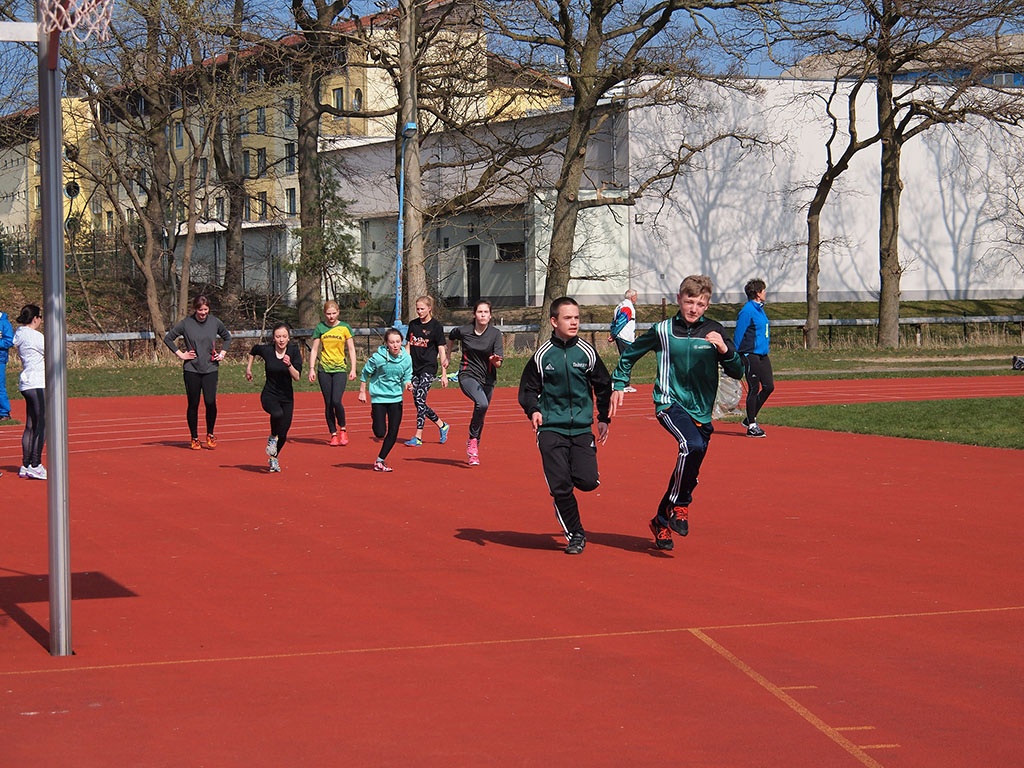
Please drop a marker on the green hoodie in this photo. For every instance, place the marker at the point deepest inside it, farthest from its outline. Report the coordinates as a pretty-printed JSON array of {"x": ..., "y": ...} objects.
[{"x": 387, "y": 375}]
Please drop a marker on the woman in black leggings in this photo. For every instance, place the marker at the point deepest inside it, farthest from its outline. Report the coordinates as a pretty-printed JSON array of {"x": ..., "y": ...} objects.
[
  {"x": 482, "y": 354},
  {"x": 199, "y": 333},
  {"x": 283, "y": 363},
  {"x": 32, "y": 383}
]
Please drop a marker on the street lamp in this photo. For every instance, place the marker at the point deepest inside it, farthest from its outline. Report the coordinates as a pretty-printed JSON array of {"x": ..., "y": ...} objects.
[{"x": 408, "y": 132}]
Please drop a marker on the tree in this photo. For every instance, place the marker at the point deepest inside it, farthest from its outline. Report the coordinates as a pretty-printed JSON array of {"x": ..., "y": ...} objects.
[
  {"x": 600, "y": 47},
  {"x": 932, "y": 64}
]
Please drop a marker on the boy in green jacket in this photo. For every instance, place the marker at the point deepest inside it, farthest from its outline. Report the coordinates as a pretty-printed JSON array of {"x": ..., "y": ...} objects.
[
  {"x": 557, "y": 391},
  {"x": 690, "y": 350}
]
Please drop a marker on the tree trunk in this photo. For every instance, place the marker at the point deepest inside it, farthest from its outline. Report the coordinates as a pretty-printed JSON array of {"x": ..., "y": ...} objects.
[
  {"x": 889, "y": 269},
  {"x": 813, "y": 271},
  {"x": 309, "y": 275},
  {"x": 415, "y": 278},
  {"x": 565, "y": 216}
]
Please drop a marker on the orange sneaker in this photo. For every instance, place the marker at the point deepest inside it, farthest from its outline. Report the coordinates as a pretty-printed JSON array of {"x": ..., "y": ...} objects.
[
  {"x": 335, "y": 440},
  {"x": 343, "y": 437},
  {"x": 196, "y": 445},
  {"x": 211, "y": 442}
]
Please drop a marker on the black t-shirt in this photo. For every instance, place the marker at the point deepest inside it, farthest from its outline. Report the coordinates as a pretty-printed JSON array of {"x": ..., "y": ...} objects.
[
  {"x": 279, "y": 380},
  {"x": 424, "y": 339},
  {"x": 476, "y": 351}
]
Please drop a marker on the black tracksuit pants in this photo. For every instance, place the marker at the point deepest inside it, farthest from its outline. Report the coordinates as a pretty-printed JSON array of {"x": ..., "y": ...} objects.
[{"x": 569, "y": 463}]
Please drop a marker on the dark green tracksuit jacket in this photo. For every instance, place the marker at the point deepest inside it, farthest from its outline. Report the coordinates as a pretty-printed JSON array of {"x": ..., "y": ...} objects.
[{"x": 563, "y": 380}]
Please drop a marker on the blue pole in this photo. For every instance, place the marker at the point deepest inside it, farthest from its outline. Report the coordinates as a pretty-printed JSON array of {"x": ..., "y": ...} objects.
[{"x": 401, "y": 240}]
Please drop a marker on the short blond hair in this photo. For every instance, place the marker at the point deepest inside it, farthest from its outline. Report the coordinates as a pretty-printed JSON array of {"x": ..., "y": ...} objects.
[
  {"x": 696, "y": 285},
  {"x": 331, "y": 304}
]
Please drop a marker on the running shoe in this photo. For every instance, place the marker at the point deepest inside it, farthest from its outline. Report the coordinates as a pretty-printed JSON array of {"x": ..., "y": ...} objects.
[
  {"x": 473, "y": 461},
  {"x": 679, "y": 521},
  {"x": 37, "y": 472},
  {"x": 23, "y": 472},
  {"x": 629, "y": 389},
  {"x": 577, "y": 542},
  {"x": 273, "y": 465},
  {"x": 473, "y": 451},
  {"x": 343, "y": 437},
  {"x": 272, "y": 446},
  {"x": 755, "y": 431},
  {"x": 335, "y": 440},
  {"x": 380, "y": 466},
  {"x": 445, "y": 428},
  {"x": 414, "y": 441},
  {"x": 662, "y": 535},
  {"x": 196, "y": 445},
  {"x": 211, "y": 442}
]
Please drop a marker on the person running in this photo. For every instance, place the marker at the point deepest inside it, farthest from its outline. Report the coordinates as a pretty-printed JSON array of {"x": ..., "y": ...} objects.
[
  {"x": 32, "y": 382},
  {"x": 332, "y": 363},
  {"x": 283, "y": 364},
  {"x": 426, "y": 343},
  {"x": 199, "y": 333},
  {"x": 482, "y": 354},
  {"x": 557, "y": 392},
  {"x": 690, "y": 349},
  {"x": 623, "y": 327},
  {"x": 388, "y": 372},
  {"x": 752, "y": 338}
]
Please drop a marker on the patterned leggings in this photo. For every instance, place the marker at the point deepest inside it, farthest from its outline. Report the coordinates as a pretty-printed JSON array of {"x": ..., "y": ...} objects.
[{"x": 420, "y": 387}]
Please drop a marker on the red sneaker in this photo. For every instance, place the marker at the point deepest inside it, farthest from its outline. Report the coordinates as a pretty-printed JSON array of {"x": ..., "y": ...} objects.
[
  {"x": 343, "y": 437},
  {"x": 335, "y": 440}
]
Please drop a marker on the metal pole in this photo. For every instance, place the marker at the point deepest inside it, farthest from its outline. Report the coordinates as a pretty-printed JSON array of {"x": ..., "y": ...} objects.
[
  {"x": 51, "y": 138},
  {"x": 401, "y": 238}
]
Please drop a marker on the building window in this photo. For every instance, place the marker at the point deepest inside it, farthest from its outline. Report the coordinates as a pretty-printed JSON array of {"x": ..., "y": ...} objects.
[
  {"x": 339, "y": 98},
  {"x": 511, "y": 251},
  {"x": 290, "y": 202},
  {"x": 357, "y": 100},
  {"x": 247, "y": 209},
  {"x": 179, "y": 135},
  {"x": 261, "y": 162},
  {"x": 243, "y": 123},
  {"x": 289, "y": 157},
  {"x": 261, "y": 120},
  {"x": 246, "y": 163},
  {"x": 110, "y": 222},
  {"x": 261, "y": 206},
  {"x": 204, "y": 169},
  {"x": 218, "y": 206},
  {"x": 288, "y": 107},
  {"x": 96, "y": 205}
]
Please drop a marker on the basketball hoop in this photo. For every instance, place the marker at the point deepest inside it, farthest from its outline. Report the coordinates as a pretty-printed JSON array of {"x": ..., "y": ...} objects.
[{"x": 82, "y": 18}]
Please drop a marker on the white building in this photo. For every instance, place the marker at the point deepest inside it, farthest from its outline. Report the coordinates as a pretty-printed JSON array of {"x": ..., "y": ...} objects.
[{"x": 737, "y": 212}]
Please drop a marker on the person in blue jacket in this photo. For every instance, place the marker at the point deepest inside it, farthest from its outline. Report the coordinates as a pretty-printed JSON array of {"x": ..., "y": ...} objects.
[
  {"x": 6, "y": 340},
  {"x": 388, "y": 372},
  {"x": 751, "y": 339}
]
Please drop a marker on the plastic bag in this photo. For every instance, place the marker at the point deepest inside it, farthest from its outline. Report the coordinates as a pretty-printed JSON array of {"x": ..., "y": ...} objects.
[{"x": 727, "y": 402}]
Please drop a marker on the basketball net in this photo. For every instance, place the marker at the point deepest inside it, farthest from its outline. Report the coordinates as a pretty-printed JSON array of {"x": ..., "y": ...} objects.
[{"x": 82, "y": 18}]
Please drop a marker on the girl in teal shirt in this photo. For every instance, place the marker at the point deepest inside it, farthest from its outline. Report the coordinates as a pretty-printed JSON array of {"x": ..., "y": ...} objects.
[{"x": 389, "y": 373}]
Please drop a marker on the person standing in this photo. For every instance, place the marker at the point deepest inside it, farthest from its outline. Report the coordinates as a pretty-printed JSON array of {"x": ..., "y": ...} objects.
[
  {"x": 332, "y": 363},
  {"x": 690, "y": 349},
  {"x": 388, "y": 372},
  {"x": 557, "y": 391},
  {"x": 32, "y": 382},
  {"x": 426, "y": 343},
  {"x": 482, "y": 355},
  {"x": 623, "y": 328},
  {"x": 6, "y": 342},
  {"x": 199, "y": 333},
  {"x": 752, "y": 337},
  {"x": 283, "y": 364}
]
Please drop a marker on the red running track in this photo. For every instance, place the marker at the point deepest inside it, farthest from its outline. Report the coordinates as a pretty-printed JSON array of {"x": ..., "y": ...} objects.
[{"x": 842, "y": 600}]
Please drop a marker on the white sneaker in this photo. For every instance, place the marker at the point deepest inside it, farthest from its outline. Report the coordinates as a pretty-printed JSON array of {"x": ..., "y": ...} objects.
[
  {"x": 629, "y": 389},
  {"x": 272, "y": 446},
  {"x": 23, "y": 472},
  {"x": 274, "y": 465},
  {"x": 38, "y": 472}
]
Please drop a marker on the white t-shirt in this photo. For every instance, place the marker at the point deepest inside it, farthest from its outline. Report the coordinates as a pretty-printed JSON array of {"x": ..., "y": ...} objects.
[{"x": 29, "y": 344}]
